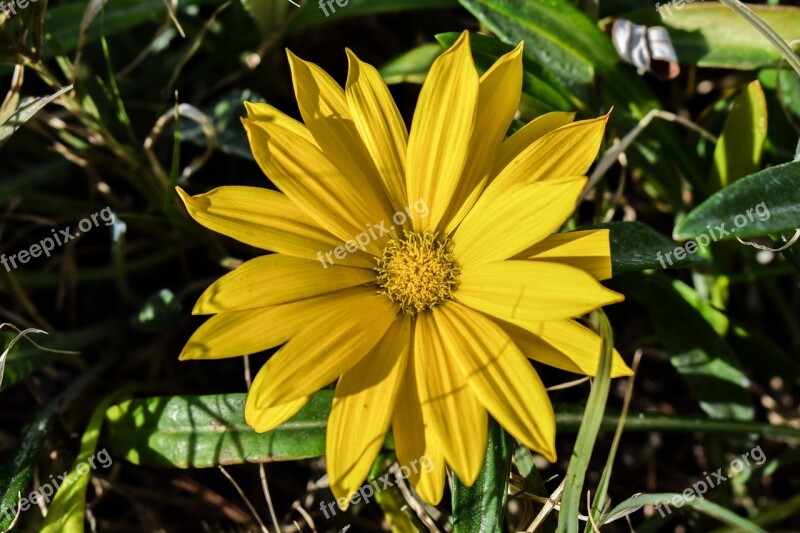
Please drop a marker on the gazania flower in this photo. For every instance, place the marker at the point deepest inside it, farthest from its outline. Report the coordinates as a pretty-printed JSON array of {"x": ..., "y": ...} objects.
[{"x": 424, "y": 319}]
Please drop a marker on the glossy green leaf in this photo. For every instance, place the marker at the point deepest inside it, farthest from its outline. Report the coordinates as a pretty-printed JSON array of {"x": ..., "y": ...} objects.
[
  {"x": 312, "y": 13},
  {"x": 711, "y": 35},
  {"x": 701, "y": 356},
  {"x": 17, "y": 472},
  {"x": 759, "y": 204},
  {"x": 537, "y": 82},
  {"x": 480, "y": 508},
  {"x": 636, "y": 246},
  {"x": 557, "y": 35},
  {"x": 25, "y": 112},
  {"x": 205, "y": 431},
  {"x": 739, "y": 148},
  {"x": 411, "y": 66},
  {"x": 571, "y": 498}
]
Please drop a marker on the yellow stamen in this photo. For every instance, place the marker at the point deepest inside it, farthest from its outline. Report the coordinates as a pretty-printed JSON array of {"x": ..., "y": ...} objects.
[{"x": 417, "y": 271}]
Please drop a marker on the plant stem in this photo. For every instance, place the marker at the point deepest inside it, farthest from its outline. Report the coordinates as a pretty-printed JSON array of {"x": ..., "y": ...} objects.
[{"x": 747, "y": 14}]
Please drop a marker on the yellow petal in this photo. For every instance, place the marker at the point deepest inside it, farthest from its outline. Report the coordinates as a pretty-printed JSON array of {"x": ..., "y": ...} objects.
[
  {"x": 324, "y": 108},
  {"x": 527, "y": 135},
  {"x": 262, "y": 420},
  {"x": 589, "y": 250},
  {"x": 276, "y": 279},
  {"x": 255, "y": 330},
  {"x": 441, "y": 131},
  {"x": 564, "y": 344},
  {"x": 419, "y": 455},
  {"x": 263, "y": 112},
  {"x": 362, "y": 410},
  {"x": 457, "y": 418},
  {"x": 531, "y": 291},
  {"x": 268, "y": 220},
  {"x": 519, "y": 217},
  {"x": 500, "y": 375},
  {"x": 381, "y": 126},
  {"x": 326, "y": 348},
  {"x": 342, "y": 205},
  {"x": 498, "y": 99},
  {"x": 568, "y": 151}
]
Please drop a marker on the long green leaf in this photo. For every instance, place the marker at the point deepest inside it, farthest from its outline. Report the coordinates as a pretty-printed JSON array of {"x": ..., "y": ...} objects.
[
  {"x": 587, "y": 435},
  {"x": 205, "y": 431},
  {"x": 480, "y": 508},
  {"x": 738, "y": 151},
  {"x": 759, "y": 204}
]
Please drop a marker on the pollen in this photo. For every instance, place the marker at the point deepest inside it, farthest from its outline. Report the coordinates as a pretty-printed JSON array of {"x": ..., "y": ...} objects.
[{"x": 417, "y": 271}]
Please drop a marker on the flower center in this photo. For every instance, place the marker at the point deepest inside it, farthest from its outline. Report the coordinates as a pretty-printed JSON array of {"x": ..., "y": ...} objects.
[{"x": 417, "y": 271}]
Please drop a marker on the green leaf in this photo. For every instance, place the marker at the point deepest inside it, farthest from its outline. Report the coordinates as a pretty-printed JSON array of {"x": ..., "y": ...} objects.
[
  {"x": 411, "y": 66},
  {"x": 16, "y": 474},
  {"x": 537, "y": 82},
  {"x": 25, "y": 112},
  {"x": 636, "y": 246},
  {"x": 557, "y": 35},
  {"x": 704, "y": 360},
  {"x": 312, "y": 13},
  {"x": 205, "y": 431},
  {"x": 739, "y": 149},
  {"x": 68, "y": 508},
  {"x": 759, "y": 204},
  {"x": 480, "y": 508},
  {"x": 711, "y": 35},
  {"x": 587, "y": 434}
]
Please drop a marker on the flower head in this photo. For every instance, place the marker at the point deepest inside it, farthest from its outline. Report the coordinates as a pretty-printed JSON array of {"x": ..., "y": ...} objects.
[{"x": 424, "y": 319}]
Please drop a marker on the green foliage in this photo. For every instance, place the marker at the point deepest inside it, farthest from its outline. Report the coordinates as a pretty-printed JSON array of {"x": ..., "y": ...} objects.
[{"x": 115, "y": 103}]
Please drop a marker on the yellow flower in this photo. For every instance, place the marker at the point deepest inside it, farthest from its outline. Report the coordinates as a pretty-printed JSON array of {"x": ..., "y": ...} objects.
[{"x": 425, "y": 322}]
